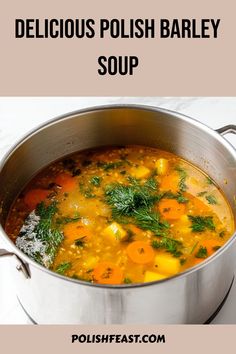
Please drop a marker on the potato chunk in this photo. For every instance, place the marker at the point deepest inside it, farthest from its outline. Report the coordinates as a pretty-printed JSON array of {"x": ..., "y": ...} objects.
[
  {"x": 162, "y": 166},
  {"x": 152, "y": 276},
  {"x": 167, "y": 264},
  {"x": 140, "y": 172},
  {"x": 115, "y": 232}
]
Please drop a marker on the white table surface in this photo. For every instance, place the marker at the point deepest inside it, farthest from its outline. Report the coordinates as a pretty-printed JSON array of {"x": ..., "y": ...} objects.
[{"x": 19, "y": 115}]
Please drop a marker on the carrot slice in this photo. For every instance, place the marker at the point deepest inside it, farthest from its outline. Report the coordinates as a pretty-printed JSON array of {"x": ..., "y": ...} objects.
[
  {"x": 170, "y": 183},
  {"x": 140, "y": 252},
  {"x": 107, "y": 273},
  {"x": 35, "y": 196},
  {"x": 76, "y": 230},
  {"x": 170, "y": 209},
  {"x": 66, "y": 182}
]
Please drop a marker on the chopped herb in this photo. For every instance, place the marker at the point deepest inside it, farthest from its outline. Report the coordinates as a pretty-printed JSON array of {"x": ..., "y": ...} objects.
[
  {"x": 194, "y": 246},
  {"x": 201, "y": 223},
  {"x": 66, "y": 220},
  {"x": 107, "y": 166},
  {"x": 201, "y": 194},
  {"x": 127, "y": 281},
  {"x": 123, "y": 172},
  {"x": 151, "y": 184},
  {"x": 178, "y": 196},
  {"x": 45, "y": 231},
  {"x": 63, "y": 267},
  {"x": 222, "y": 234},
  {"x": 169, "y": 244},
  {"x": 135, "y": 201},
  {"x": 87, "y": 191},
  {"x": 96, "y": 181},
  {"x": 126, "y": 199},
  {"x": 211, "y": 199},
  {"x": 182, "y": 261},
  {"x": 183, "y": 176},
  {"x": 148, "y": 220},
  {"x": 201, "y": 253}
]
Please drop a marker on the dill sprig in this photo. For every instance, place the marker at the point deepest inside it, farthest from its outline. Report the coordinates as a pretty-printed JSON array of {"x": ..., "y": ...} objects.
[
  {"x": 201, "y": 223},
  {"x": 169, "y": 244},
  {"x": 134, "y": 202}
]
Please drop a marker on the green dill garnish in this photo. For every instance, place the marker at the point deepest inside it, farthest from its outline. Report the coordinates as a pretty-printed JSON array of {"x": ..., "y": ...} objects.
[
  {"x": 66, "y": 220},
  {"x": 134, "y": 201},
  {"x": 96, "y": 181},
  {"x": 178, "y": 196},
  {"x": 107, "y": 166},
  {"x": 201, "y": 194},
  {"x": 148, "y": 220},
  {"x": 201, "y": 223},
  {"x": 169, "y": 244},
  {"x": 183, "y": 176},
  {"x": 87, "y": 191},
  {"x": 123, "y": 172},
  {"x": 63, "y": 267},
  {"x": 125, "y": 200},
  {"x": 211, "y": 199},
  {"x": 151, "y": 184},
  {"x": 194, "y": 246},
  {"x": 46, "y": 233},
  {"x": 201, "y": 253},
  {"x": 127, "y": 281}
]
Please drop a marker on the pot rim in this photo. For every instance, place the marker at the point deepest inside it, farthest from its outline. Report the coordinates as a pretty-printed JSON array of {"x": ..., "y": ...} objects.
[{"x": 69, "y": 115}]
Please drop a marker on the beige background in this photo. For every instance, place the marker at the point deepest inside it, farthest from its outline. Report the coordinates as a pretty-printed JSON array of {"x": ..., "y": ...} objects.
[
  {"x": 69, "y": 66},
  {"x": 179, "y": 339}
]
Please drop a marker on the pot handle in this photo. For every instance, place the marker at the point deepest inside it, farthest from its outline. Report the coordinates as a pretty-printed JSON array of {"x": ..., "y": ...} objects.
[
  {"x": 21, "y": 267},
  {"x": 227, "y": 129}
]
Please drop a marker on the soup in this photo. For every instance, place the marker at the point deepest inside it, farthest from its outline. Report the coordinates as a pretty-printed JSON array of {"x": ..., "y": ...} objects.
[{"x": 120, "y": 215}]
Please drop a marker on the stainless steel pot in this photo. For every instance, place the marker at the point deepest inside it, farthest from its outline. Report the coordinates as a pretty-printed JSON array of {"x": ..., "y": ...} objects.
[{"x": 190, "y": 297}]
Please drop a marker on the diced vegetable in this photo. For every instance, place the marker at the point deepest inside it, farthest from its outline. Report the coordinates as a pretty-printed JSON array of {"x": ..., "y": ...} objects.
[
  {"x": 76, "y": 230},
  {"x": 167, "y": 264},
  {"x": 115, "y": 232},
  {"x": 162, "y": 166},
  {"x": 140, "y": 252},
  {"x": 140, "y": 172},
  {"x": 170, "y": 183},
  {"x": 35, "y": 196},
  {"x": 90, "y": 262},
  {"x": 107, "y": 273},
  {"x": 66, "y": 182},
  {"x": 170, "y": 209},
  {"x": 152, "y": 276}
]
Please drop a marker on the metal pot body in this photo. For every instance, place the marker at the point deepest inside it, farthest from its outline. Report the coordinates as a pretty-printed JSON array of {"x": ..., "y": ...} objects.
[{"x": 190, "y": 297}]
